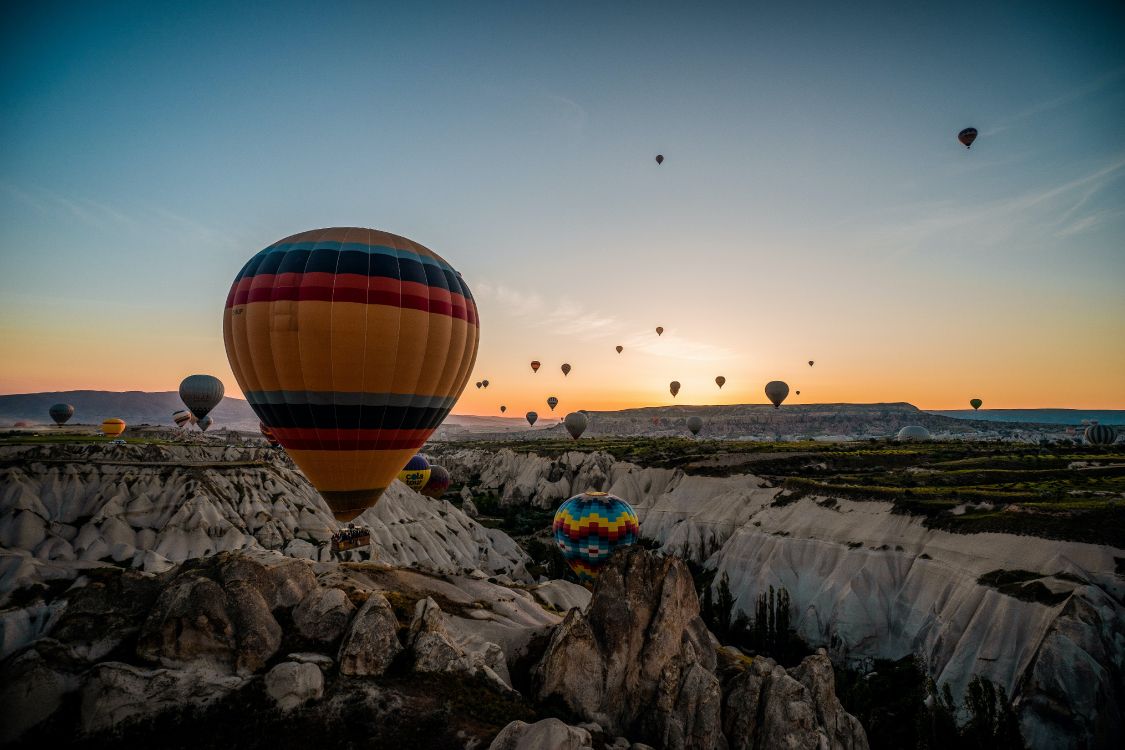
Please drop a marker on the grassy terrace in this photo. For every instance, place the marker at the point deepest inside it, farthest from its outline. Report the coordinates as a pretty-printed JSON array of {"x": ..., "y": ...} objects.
[{"x": 1061, "y": 491}]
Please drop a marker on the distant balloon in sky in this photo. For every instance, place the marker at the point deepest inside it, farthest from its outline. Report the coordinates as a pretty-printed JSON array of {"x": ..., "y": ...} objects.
[
  {"x": 113, "y": 427},
  {"x": 566, "y": 369},
  {"x": 352, "y": 345},
  {"x": 438, "y": 482},
  {"x": 589, "y": 527},
  {"x": 205, "y": 423},
  {"x": 532, "y": 417},
  {"x": 967, "y": 136},
  {"x": 552, "y": 402},
  {"x": 811, "y": 363},
  {"x": 183, "y": 417},
  {"x": 535, "y": 365},
  {"x": 1100, "y": 434},
  {"x": 480, "y": 384},
  {"x": 61, "y": 413},
  {"x": 674, "y": 387},
  {"x": 659, "y": 330},
  {"x": 416, "y": 472},
  {"x": 798, "y": 393},
  {"x": 695, "y": 424},
  {"x": 720, "y": 381},
  {"x": 660, "y": 158},
  {"x": 503, "y": 408},
  {"x": 576, "y": 423},
  {"x": 484, "y": 383},
  {"x": 620, "y": 348},
  {"x": 201, "y": 393},
  {"x": 975, "y": 403},
  {"x": 776, "y": 391}
]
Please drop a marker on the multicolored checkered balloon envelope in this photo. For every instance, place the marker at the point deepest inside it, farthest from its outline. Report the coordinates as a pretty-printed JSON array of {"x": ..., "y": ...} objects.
[{"x": 589, "y": 527}]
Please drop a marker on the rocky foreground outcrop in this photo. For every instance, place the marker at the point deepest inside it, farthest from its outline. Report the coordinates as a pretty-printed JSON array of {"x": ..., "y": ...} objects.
[
  {"x": 220, "y": 651},
  {"x": 71, "y": 508}
]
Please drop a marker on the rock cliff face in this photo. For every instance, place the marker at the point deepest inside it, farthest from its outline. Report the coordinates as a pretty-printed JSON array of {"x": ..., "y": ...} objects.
[
  {"x": 640, "y": 662},
  {"x": 869, "y": 583},
  {"x": 65, "y": 509}
]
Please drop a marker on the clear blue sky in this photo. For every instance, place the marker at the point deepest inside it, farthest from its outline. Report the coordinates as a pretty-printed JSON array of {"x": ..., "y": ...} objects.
[{"x": 814, "y": 203}]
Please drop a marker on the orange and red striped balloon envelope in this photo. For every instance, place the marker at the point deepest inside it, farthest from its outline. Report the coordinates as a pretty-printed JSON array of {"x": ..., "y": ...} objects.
[{"x": 351, "y": 345}]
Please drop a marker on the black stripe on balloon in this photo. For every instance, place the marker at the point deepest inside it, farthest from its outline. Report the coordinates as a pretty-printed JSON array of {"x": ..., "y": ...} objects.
[{"x": 328, "y": 416}]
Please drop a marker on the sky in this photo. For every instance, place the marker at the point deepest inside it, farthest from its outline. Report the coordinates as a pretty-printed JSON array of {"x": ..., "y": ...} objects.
[{"x": 814, "y": 202}]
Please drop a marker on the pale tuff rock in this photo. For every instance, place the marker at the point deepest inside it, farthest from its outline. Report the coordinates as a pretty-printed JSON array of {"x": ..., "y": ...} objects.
[
  {"x": 436, "y": 651},
  {"x": 323, "y": 615},
  {"x": 291, "y": 684},
  {"x": 468, "y": 507},
  {"x": 116, "y": 693},
  {"x": 548, "y": 734},
  {"x": 371, "y": 643},
  {"x": 767, "y": 707},
  {"x": 639, "y": 660},
  {"x": 561, "y": 595}
]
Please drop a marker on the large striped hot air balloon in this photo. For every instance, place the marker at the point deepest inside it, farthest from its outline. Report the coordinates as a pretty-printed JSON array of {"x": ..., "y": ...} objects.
[
  {"x": 416, "y": 473},
  {"x": 1100, "y": 434},
  {"x": 113, "y": 427},
  {"x": 61, "y": 413},
  {"x": 201, "y": 394},
  {"x": 352, "y": 345},
  {"x": 589, "y": 527}
]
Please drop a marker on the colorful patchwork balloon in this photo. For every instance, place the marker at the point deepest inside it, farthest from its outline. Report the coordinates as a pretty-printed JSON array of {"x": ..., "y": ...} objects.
[
  {"x": 113, "y": 427},
  {"x": 352, "y": 345},
  {"x": 438, "y": 482},
  {"x": 589, "y": 527}
]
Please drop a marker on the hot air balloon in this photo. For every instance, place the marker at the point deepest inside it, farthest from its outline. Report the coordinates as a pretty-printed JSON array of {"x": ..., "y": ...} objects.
[
  {"x": 695, "y": 424},
  {"x": 811, "y": 363},
  {"x": 975, "y": 403},
  {"x": 438, "y": 482},
  {"x": 267, "y": 433},
  {"x": 416, "y": 472},
  {"x": 660, "y": 158},
  {"x": 113, "y": 427},
  {"x": 352, "y": 345},
  {"x": 914, "y": 432},
  {"x": 674, "y": 387},
  {"x": 659, "y": 330},
  {"x": 720, "y": 381},
  {"x": 535, "y": 365},
  {"x": 967, "y": 136},
  {"x": 484, "y": 383},
  {"x": 201, "y": 393},
  {"x": 1100, "y": 434},
  {"x": 552, "y": 402},
  {"x": 776, "y": 391},
  {"x": 183, "y": 417},
  {"x": 589, "y": 527},
  {"x": 503, "y": 408},
  {"x": 798, "y": 393},
  {"x": 479, "y": 384},
  {"x": 205, "y": 423},
  {"x": 620, "y": 348},
  {"x": 61, "y": 413},
  {"x": 576, "y": 423},
  {"x": 566, "y": 369},
  {"x": 531, "y": 417}
]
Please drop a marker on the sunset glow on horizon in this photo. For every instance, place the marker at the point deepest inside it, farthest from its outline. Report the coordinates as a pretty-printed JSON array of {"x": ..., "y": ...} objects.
[{"x": 813, "y": 204}]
